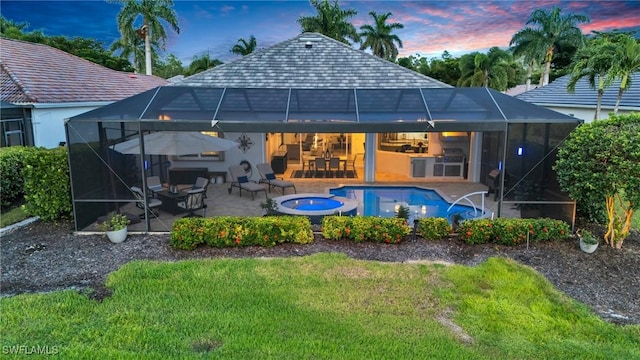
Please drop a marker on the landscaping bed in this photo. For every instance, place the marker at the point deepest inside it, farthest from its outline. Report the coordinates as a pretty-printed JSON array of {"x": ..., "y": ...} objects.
[{"x": 45, "y": 257}]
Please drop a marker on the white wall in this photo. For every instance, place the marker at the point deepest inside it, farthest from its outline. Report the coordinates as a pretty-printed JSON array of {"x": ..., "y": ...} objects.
[
  {"x": 585, "y": 113},
  {"x": 48, "y": 123}
]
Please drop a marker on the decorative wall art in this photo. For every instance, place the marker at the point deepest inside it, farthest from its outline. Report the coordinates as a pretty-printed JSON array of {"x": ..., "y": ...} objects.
[{"x": 245, "y": 143}]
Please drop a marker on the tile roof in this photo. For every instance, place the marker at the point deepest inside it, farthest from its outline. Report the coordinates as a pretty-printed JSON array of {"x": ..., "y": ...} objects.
[
  {"x": 556, "y": 93},
  {"x": 327, "y": 63},
  {"x": 37, "y": 73}
]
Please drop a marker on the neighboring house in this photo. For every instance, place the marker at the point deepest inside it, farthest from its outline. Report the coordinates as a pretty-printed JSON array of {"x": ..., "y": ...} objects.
[
  {"x": 582, "y": 103},
  {"x": 519, "y": 89},
  {"x": 42, "y": 86}
]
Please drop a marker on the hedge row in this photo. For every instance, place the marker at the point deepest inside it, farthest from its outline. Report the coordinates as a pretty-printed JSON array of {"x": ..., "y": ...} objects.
[
  {"x": 364, "y": 228},
  {"x": 47, "y": 191},
  {"x": 512, "y": 231},
  {"x": 434, "y": 228},
  {"x": 234, "y": 231},
  {"x": 11, "y": 177}
]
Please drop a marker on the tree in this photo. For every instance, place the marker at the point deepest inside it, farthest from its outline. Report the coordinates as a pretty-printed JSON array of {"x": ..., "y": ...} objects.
[
  {"x": 445, "y": 69},
  {"x": 531, "y": 48},
  {"x": 488, "y": 70},
  {"x": 202, "y": 63},
  {"x": 626, "y": 62},
  {"x": 598, "y": 166},
  {"x": 170, "y": 67},
  {"x": 552, "y": 30},
  {"x": 331, "y": 21},
  {"x": 244, "y": 47},
  {"x": 378, "y": 37},
  {"x": 593, "y": 61},
  {"x": 132, "y": 50},
  {"x": 152, "y": 12},
  {"x": 88, "y": 49}
]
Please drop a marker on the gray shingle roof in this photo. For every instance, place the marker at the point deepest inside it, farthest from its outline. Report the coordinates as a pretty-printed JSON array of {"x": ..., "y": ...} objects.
[
  {"x": 556, "y": 93},
  {"x": 326, "y": 64},
  {"x": 36, "y": 73}
]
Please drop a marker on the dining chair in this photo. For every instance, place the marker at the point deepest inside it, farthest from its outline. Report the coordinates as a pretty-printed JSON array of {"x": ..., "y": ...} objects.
[
  {"x": 320, "y": 165},
  {"x": 334, "y": 164}
]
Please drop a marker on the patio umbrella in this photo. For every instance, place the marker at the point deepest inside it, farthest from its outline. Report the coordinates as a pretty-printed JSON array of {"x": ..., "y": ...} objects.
[{"x": 175, "y": 143}]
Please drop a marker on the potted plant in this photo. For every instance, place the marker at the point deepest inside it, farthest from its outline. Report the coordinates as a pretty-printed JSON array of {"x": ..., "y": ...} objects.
[
  {"x": 588, "y": 241},
  {"x": 116, "y": 227}
]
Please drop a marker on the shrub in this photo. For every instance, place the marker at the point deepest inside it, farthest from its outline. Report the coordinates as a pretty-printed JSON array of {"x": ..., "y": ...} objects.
[
  {"x": 46, "y": 183},
  {"x": 434, "y": 228},
  {"x": 11, "y": 175},
  {"x": 230, "y": 231},
  {"x": 476, "y": 231},
  {"x": 512, "y": 231},
  {"x": 365, "y": 228}
]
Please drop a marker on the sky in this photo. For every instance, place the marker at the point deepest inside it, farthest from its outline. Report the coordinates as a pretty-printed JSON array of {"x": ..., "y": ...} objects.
[{"x": 213, "y": 27}]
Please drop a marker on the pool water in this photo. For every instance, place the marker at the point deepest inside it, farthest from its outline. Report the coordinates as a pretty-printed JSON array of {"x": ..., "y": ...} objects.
[
  {"x": 385, "y": 200},
  {"x": 312, "y": 203}
]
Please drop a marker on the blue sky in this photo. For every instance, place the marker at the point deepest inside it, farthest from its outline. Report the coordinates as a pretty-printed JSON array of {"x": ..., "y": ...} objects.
[{"x": 215, "y": 26}]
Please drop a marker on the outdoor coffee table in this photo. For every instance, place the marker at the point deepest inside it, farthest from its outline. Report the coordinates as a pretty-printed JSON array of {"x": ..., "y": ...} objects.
[{"x": 170, "y": 200}]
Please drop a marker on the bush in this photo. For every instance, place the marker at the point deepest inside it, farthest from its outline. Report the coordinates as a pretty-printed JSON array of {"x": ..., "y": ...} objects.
[
  {"x": 476, "y": 231},
  {"x": 231, "y": 231},
  {"x": 512, "y": 231},
  {"x": 46, "y": 183},
  {"x": 434, "y": 228},
  {"x": 11, "y": 175},
  {"x": 365, "y": 228}
]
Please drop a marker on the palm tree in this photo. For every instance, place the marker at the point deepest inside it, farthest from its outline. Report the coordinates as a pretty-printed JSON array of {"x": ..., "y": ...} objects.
[
  {"x": 532, "y": 50},
  {"x": 552, "y": 30},
  {"x": 488, "y": 70},
  {"x": 202, "y": 63},
  {"x": 151, "y": 30},
  {"x": 626, "y": 62},
  {"x": 378, "y": 37},
  {"x": 244, "y": 47},
  {"x": 593, "y": 61},
  {"x": 134, "y": 49},
  {"x": 331, "y": 21}
]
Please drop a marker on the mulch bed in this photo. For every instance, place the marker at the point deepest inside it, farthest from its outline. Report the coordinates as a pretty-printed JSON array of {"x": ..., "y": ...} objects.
[{"x": 46, "y": 257}]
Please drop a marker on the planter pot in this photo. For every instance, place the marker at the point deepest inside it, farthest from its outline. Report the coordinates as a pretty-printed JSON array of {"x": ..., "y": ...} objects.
[
  {"x": 117, "y": 236},
  {"x": 588, "y": 248}
]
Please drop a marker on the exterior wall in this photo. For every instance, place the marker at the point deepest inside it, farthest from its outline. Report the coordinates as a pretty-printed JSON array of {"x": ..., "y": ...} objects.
[
  {"x": 255, "y": 154},
  {"x": 48, "y": 123},
  {"x": 586, "y": 114}
]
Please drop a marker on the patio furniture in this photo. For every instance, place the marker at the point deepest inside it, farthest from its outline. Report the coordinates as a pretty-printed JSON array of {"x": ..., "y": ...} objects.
[
  {"x": 240, "y": 180},
  {"x": 201, "y": 183},
  {"x": 320, "y": 165},
  {"x": 154, "y": 184},
  {"x": 151, "y": 203},
  {"x": 171, "y": 199},
  {"x": 194, "y": 201},
  {"x": 334, "y": 164},
  {"x": 268, "y": 176}
]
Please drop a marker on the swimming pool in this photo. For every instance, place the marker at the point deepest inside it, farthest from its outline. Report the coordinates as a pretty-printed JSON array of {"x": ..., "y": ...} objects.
[{"x": 384, "y": 201}]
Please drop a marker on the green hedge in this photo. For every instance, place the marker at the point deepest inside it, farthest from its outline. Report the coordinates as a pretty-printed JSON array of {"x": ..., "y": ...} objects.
[
  {"x": 46, "y": 183},
  {"x": 11, "y": 176},
  {"x": 434, "y": 228},
  {"x": 365, "y": 228},
  {"x": 233, "y": 231},
  {"x": 512, "y": 231}
]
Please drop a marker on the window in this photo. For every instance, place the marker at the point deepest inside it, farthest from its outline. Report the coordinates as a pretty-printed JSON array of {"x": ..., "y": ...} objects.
[{"x": 210, "y": 155}]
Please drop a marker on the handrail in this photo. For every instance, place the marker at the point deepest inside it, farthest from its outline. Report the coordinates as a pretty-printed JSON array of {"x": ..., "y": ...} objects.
[{"x": 466, "y": 197}]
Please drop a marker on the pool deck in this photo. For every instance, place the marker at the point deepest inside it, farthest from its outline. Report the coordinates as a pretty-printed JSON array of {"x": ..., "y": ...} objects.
[{"x": 221, "y": 203}]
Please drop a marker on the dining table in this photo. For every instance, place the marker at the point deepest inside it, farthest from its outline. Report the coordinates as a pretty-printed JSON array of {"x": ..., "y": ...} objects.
[{"x": 325, "y": 168}]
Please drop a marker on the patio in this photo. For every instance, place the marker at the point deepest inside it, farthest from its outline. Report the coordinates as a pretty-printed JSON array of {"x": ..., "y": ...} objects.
[{"x": 221, "y": 203}]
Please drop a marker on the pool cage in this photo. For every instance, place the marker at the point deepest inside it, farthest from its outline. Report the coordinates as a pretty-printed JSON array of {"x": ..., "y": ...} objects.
[{"x": 519, "y": 139}]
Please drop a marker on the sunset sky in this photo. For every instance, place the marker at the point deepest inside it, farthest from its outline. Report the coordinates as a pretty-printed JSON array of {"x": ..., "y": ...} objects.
[{"x": 213, "y": 27}]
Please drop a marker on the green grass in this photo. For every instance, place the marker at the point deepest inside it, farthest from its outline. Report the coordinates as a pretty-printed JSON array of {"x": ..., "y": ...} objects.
[
  {"x": 12, "y": 216},
  {"x": 324, "y": 306}
]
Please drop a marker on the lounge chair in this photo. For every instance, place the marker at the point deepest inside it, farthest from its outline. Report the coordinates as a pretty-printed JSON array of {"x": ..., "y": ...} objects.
[
  {"x": 268, "y": 176},
  {"x": 240, "y": 180}
]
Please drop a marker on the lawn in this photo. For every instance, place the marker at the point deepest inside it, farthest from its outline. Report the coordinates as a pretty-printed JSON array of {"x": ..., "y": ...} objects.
[
  {"x": 325, "y": 306},
  {"x": 12, "y": 215}
]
